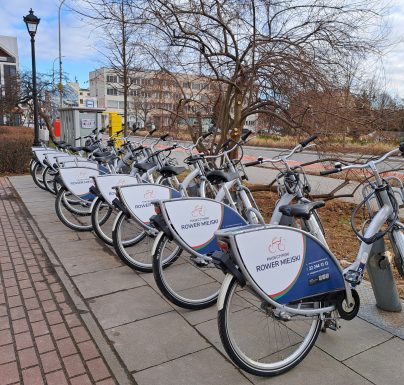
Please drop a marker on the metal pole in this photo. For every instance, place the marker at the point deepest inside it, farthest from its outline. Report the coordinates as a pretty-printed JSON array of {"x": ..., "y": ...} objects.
[
  {"x": 60, "y": 61},
  {"x": 37, "y": 142}
]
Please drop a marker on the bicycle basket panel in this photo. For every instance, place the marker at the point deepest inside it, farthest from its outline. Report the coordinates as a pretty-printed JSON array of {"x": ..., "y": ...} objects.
[
  {"x": 288, "y": 265},
  {"x": 40, "y": 155},
  {"x": 138, "y": 198},
  {"x": 195, "y": 220},
  {"x": 105, "y": 184},
  {"x": 78, "y": 180}
]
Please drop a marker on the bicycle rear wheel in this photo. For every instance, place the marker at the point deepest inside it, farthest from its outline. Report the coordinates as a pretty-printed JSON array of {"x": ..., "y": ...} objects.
[{"x": 258, "y": 339}]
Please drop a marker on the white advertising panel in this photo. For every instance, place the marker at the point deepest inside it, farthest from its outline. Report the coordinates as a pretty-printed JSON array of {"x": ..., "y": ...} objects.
[
  {"x": 78, "y": 180},
  {"x": 195, "y": 220},
  {"x": 105, "y": 184},
  {"x": 273, "y": 257},
  {"x": 138, "y": 199},
  {"x": 79, "y": 163}
]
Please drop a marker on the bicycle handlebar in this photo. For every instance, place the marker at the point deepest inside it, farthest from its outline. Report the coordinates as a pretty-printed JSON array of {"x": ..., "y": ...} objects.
[
  {"x": 245, "y": 135},
  {"x": 328, "y": 172},
  {"x": 254, "y": 162},
  {"x": 369, "y": 164},
  {"x": 305, "y": 142}
]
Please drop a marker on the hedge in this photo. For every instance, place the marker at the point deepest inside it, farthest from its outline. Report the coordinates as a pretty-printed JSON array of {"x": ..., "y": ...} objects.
[{"x": 15, "y": 149}]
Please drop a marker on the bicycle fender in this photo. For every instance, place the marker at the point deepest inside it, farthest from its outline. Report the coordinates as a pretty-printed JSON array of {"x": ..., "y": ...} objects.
[
  {"x": 156, "y": 241},
  {"x": 223, "y": 291}
]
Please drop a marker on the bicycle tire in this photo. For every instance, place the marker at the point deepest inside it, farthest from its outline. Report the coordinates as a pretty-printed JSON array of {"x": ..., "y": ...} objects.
[
  {"x": 98, "y": 221},
  {"x": 60, "y": 203},
  {"x": 48, "y": 178},
  {"x": 248, "y": 306},
  {"x": 181, "y": 280},
  {"x": 121, "y": 245},
  {"x": 36, "y": 174}
]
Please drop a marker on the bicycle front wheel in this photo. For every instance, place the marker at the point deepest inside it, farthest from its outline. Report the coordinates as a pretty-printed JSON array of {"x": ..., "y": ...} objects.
[
  {"x": 258, "y": 338},
  {"x": 184, "y": 280},
  {"x": 103, "y": 220}
]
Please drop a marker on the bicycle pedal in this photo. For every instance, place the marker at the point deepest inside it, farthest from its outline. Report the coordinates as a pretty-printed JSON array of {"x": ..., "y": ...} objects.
[
  {"x": 199, "y": 261},
  {"x": 332, "y": 324}
]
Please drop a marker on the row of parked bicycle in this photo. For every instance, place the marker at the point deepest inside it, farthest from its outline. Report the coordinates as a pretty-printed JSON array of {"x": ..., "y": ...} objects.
[{"x": 282, "y": 284}]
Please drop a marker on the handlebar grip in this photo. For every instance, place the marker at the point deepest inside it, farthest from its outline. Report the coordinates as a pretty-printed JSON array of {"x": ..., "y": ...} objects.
[
  {"x": 164, "y": 137},
  {"x": 225, "y": 144},
  {"x": 79, "y": 138},
  {"x": 253, "y": 163},
  {"x": 401, "y": 148},
  {"x": 246, "y": 135},
  {"x": 304, "y": 143},
  {"x": 332, "y": 171},
  {"x": 205, "y": 135},
  {"x": 152, "y": 131}
]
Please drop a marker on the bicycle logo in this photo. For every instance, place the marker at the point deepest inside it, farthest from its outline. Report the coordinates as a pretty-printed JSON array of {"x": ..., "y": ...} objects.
[
  {"x": 149, "y": 194},
  {"x": 82, "y": 174},
  {"x": 198, "y": 211},
  {"x": 121, "y": 182},
  {"x": 276, "y": 245}
]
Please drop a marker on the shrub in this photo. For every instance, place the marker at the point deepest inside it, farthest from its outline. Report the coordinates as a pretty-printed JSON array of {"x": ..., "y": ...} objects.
[{"x": 15, "y": 149}]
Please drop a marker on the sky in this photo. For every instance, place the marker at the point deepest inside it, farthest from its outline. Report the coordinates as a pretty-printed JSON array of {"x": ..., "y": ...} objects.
[{"x": 81, "y": 57}]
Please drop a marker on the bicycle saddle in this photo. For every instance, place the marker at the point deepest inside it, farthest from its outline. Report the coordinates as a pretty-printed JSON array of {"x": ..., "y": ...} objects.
[
  {"x": 301, "y": 210},
  {"x": 144, "y": 166},
  {"x": 90, "y": 148},
  {"x": 101, "y": 154},
  {"x": 105, "y": 158},
  {"x": 219, "y": 176},
  {"x": 171, "y": 170},
  {"x": 63, "y": 145},
  {"x": 77, "y": 149}
]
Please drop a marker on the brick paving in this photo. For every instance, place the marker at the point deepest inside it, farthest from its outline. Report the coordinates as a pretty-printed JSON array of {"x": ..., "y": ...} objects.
[{"x": 42, "y": 337}]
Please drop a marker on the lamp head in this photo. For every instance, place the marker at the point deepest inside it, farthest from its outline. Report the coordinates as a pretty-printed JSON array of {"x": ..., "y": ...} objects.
[{"x": 31, "y": 21}]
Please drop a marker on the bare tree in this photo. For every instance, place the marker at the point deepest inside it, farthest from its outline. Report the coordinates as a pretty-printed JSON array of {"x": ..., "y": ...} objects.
[
  {"x": 114, "y": 18},
  {"x": 47, "y": 93},
  {"x": 260, "y": 53}
]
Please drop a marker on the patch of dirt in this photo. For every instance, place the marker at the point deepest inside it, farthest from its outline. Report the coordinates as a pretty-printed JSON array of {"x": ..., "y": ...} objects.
[{"x": 336, "y": 220}]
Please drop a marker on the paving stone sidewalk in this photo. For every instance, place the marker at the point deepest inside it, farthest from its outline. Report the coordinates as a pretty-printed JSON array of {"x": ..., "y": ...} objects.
[
  {"x": 160, "y": 344},
  {"x": 42, "y": 337}
]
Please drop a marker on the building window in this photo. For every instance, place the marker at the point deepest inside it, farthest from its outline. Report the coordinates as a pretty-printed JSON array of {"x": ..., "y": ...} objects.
[
  {"x": 112, "y": 103},
  {"x": 112, "y": 91},
  {"x": 111, "y": 79},
  {"x": 81, "y": 101}
]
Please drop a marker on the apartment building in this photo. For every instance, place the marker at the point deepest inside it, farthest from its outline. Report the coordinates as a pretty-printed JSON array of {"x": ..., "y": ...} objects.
[
  {"x": 83, "y": 97},
  {"x": 155, "y": 97},
  {"x": 8, "y": 73}
]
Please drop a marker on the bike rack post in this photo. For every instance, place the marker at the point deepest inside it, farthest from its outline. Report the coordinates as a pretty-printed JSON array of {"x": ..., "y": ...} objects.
[{"x": 382, "y": 280}]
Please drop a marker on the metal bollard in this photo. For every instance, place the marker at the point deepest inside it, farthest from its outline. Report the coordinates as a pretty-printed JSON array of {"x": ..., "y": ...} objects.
[{"x": 382, "y": 280}]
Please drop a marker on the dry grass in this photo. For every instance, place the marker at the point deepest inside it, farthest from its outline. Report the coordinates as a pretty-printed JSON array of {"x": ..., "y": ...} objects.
[
  {"x": 15, "y": 149},
  {"x": 336, "y": 145}
]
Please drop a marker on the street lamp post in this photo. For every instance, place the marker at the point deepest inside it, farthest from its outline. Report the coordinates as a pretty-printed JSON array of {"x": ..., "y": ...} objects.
[
  {"x": 32, "y": 22},
  {"x": 60, "y": 61}
]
